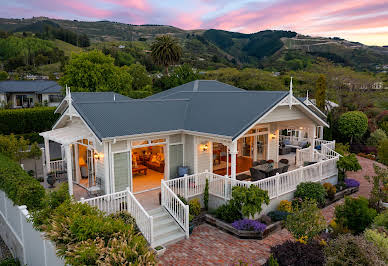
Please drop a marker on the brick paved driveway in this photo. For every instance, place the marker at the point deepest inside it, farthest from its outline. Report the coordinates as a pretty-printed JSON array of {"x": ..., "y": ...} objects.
[{"x": 211, "y": 246}]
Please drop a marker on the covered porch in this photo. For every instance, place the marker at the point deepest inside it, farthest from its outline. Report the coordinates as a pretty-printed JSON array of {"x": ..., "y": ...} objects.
[
  {"x": 270, "y": 147},
  {"x": 81, "y": 164}
]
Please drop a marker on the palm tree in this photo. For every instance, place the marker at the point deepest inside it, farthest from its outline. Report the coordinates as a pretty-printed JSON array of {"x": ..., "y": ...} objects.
[{"x": 165, "y": 51}]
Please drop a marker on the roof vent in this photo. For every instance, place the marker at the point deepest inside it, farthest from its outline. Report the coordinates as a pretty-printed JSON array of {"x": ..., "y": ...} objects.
[
  {"x": 195, "y": 88},
  {"x": 114, "y": 97}
]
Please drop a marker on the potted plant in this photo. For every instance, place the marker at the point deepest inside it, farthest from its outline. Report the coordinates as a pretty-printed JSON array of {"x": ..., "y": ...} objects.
[
  {"x": 51, "y": 178},
  {"x": 160, "y": 250},
  {"x": 270, "y": 163}
]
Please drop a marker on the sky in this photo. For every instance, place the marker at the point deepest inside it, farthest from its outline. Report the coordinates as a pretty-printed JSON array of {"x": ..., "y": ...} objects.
[{"x": 364, "y": 21}]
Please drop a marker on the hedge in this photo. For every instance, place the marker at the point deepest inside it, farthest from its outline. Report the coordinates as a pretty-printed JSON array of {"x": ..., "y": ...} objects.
[
  {"x": 21, "y": 188},
  {"x": 28, "y": 120}
]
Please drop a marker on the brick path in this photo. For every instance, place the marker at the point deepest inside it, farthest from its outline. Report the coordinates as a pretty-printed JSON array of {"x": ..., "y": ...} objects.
[{"x": 211, "y": 246}]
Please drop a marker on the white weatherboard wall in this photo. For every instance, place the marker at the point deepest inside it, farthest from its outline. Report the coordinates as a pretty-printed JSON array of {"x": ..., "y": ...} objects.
[
  {"x": 24, "y": 242},
  {"x": 204, "y": 157}
]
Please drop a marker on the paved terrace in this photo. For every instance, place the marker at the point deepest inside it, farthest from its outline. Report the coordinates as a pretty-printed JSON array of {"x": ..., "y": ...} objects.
[{"x": 211, "y": 246}]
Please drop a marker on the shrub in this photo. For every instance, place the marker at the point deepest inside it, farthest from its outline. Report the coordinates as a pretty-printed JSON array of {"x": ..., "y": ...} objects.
[
  {"x": 353, "y": 124},
  {"x": 271, "y": 261},
  {"x": 330, "y": 190},
  {"x": 311, "y": 190},
  {"x": 27, "y": 120},
  {"x": 278, "y": 215},
  {"x": 380, "y": 240},
  {"x": 183, "y": 199},
  {"x": 10, "y": 262},
  {"x": 355, "y": 214},
  {"x": 349, "y": 182},
  {"x": 342, "y": 149},
  {"x": 249, "y": 225},
  {"x": 249, "y": 200},
  {"x": 127, "y": 218},
  {"x": 85, "y": 236},
  {"x": 376, "y": 137},
  {"x": 336, "y": 229},
  {"x": 351, "y": 250},
  {"x": 285, "y": 206},
  {"x": 381, "y": 220},
  {"x": 295, "y": 253},
  {"x": 306, "y": 221},
  {"x": 195, "y": 207},
  {"x": 206, "y": 195},
  {"x": 228, "y": 212},
  {"x": 382, "y": 153},
  {"x": 347, "y": 163},
  {"x": 21, "y": 188},
  {"x": 379, "y": 190}
]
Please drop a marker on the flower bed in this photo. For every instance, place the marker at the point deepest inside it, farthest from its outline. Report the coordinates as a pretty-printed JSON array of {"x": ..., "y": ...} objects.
[
  {"x": 236, "y": 227},
  {"x": 341, "y": 194}
]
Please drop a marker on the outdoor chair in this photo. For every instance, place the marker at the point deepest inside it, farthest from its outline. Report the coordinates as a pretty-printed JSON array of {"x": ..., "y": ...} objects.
[
  {"x": 257, "y": 174},
  {"x": 256, "y": 163},
  {"x": 285, "y": 161},
  {"x": 284, "y": 169}
]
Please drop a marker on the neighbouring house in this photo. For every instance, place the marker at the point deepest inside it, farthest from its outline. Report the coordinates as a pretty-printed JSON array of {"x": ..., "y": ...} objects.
[
  {"x": 27, "y": 93},
  {"x": 171, "y": 142}
]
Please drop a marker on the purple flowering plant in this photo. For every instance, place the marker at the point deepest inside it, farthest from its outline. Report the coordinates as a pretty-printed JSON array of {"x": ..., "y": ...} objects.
[
  {"x": 249, "y": 225},
  {"x": 349, "y": 182}
]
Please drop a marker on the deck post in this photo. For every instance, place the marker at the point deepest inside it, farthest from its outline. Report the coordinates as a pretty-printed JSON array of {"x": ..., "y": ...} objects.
[
  {"x": 301, "y": 173},
  {"x": 186, "y": 185},
  {"x": 233, "y": 155},
  {"x": 69, "y": 168},
  {"x": 277, "y": 180},
  {"x": 47, "y": 153}
]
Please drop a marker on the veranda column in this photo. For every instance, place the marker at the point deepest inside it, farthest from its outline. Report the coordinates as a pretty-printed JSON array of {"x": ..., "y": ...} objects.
[
  {"x": 69, "y": 168},
  {"x": 233, "y": 161},
  {"x": 76, "y": 164},
  {"x": 47, "y": 153},
  {"x": 321, "y": 132}
]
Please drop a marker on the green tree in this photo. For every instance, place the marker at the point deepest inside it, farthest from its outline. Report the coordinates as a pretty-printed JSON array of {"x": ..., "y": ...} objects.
[
  {"x": 347, "y": 163},
  {"x": 35, "y": 153},
  {"x": 249, "y": 200},
  {"x": 141, "y": 78},
  {"x": 320, "y": 92},
  {"x": 353, "y": 124},
  {"x": 376, "y": 137},
  {"x": 94, "y": 71},
  {"x": 382, "y": 151},
  {"x": 166, "y": 51},
  {"x": 3, "y": 75}
]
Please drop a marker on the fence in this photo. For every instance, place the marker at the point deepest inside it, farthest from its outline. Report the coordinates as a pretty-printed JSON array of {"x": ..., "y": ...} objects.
[
  {"x": 24, "y": 242},
  {"x": 125, "y": 201}
]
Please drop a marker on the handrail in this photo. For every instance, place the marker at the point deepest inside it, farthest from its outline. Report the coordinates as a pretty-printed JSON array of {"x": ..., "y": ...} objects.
[
  {"x": 125, "y": 201},
  {"x": 178, "y": 210}
]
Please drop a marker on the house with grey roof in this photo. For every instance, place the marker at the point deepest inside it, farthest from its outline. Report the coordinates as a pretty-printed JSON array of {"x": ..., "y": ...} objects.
[
  {"x": 120, "y": 150},
  {"x": 27, "y": 93}
]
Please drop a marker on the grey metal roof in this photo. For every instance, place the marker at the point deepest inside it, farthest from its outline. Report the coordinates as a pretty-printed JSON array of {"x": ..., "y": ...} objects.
[
  {"x": 312, "y": 107},
  {"x": 196, "y": 86},
  {"x": 98, "y": 96},
  {"x": 30, "y": 86},
  {"x": 220, "y": 113}
]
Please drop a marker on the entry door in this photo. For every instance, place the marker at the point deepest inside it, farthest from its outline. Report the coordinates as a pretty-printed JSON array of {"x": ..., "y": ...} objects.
[
  {"x": 121, "y": 170},
  {"x": 90, "y": 164}
]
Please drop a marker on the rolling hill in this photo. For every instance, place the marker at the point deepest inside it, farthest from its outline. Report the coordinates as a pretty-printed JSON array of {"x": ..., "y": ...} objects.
[{"x": 210, "y": 49}]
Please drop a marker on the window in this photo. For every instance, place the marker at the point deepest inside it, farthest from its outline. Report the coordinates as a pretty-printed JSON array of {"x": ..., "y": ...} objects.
[
  {"x": 55, "y": 98},
  {"x": 121, "y": 171}
]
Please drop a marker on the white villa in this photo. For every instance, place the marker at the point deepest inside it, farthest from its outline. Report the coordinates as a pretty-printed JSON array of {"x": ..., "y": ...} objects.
[{"x": 115, "y": 149}]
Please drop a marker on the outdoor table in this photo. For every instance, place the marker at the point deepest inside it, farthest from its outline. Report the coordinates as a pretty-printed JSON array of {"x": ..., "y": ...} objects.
[{"x": 268, "y": 169}]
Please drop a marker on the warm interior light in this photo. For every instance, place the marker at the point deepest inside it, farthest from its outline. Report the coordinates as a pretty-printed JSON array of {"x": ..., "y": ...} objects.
[
  {"x": 301, "y": 128},
  {"x": 98, "y": 156}
]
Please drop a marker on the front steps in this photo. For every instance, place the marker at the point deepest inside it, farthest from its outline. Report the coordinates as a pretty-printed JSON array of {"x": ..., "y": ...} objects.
[{"x": 166, "y": 230}]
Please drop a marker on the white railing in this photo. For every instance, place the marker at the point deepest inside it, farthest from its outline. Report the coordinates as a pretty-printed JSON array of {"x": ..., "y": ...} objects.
[
  {"x": 328, "y": 149},
  {"x": 125, "y": 201},
  {"x": 304, "y": 155},
  {"x": 59, "y": 165},
  {"x": 178, "y": 210},
  {"x": 189, "y": 185}
]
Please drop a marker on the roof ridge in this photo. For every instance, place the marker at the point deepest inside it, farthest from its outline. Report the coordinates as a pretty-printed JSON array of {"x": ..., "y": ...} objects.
[{"x": 133, "y": 101}]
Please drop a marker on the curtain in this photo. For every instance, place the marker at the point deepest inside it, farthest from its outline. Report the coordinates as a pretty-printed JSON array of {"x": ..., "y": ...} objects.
[{"x": 121, "y": 171}]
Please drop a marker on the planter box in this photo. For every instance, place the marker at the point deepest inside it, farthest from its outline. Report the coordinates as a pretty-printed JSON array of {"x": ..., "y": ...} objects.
[
  {"x": 160, "y": 252},
  {"x": 341, "y": 194},
  {"x": 242, "y": 233}
]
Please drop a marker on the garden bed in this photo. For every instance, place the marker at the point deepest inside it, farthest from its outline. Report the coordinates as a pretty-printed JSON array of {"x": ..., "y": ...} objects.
[
  {"x": 340, "y": 195},
  {"x": 210, "y": 219}
]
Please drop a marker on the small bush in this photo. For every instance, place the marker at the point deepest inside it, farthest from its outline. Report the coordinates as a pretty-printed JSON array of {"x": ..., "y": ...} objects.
[
  {"x": 206, "y": 195},
  {"x": 376, "y": 137},
  {"x": 355, "y": 214},
  {"x": 10, "y": 262},
  {"x": 349, "y": 182},
  {"x": 271, "y": 261},
  {"x": 278, "y": 215},
  {"x": 249, "y": 200},
  {"x": 126, "y": 217},
  {"x": 330, "y": 190},
  {"x": 311, "y": 190},
  {"x": 249, "y": 225},
  {"x": 228, "y": 212},
  {"x": 381, "y": 220},
  {"x": 296, "y": 254},
  {"x": 183, "y": 199},
  {"x": 306, "y": 221},
  {"x": 352, "y": 250},
  {"x": 21, "y": 188},
  {"x": 380, "y": 240},
  {"x": 382, "y": 152},
  {"x": 195, "y": 207},
  {"x": 285, "y": 206}
]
